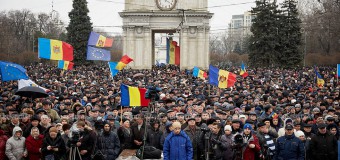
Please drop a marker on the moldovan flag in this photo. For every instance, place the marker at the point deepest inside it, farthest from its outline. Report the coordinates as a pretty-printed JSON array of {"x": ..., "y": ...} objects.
[
  {"x": 172, "y": 52},
  {"x": 320, "y": 82},
  {"x": 99, "y": 40},
  {"x": 221, "y": 78},
  {"x": 133, "y": 96},
  {"x": 115, "y": 67},
  {"x": 65, "y": 65},
  {"x": 54, "y": 49},
  {"x": 243, "y": 72},
  {"x": 199, "y": 73}
]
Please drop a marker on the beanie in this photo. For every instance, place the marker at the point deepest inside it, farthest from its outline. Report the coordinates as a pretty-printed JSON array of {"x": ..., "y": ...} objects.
[
  {"x": 227, "y": 127},
  {"x": 247, "y": 125},
  {"x": 53, "y": 129},
  {"x": 299, "y": 133}
]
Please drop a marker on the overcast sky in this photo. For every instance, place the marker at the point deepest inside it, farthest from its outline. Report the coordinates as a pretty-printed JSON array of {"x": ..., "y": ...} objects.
[{"x": 105, "y": 12}]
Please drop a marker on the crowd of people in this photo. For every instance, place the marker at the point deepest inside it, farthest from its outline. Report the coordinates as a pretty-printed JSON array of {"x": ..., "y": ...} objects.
[{"x": 271, "y": 114}]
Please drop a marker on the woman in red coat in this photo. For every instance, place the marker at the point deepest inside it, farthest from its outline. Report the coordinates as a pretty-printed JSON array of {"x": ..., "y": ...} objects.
[
  {"x": 34, "y": 143},
  {"x": 252, "y": 142},
  {"x": 3, "y": 140}
]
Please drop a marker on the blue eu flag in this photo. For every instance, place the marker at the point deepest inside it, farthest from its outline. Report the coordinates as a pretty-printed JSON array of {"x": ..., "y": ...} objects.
[
  {"x": 11, "y": 71},
  {"x": 94, "y": 53}
]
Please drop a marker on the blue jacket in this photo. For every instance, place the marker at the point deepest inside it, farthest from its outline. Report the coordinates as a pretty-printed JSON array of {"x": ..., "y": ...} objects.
[
  {"x": 177, "y": 147},
  {"x": 289, "y": 148}
]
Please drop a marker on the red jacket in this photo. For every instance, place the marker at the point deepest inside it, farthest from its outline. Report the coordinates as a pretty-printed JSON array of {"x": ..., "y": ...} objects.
[
  {"x": 33, "y": 146},
  {"x": 249, "y": 153},
  {"x": 3, "y": 140}
]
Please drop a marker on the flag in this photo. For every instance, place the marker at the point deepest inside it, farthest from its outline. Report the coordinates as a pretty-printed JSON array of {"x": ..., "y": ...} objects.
[
  {"x": 94, "y": 53},
  {"x": 199, "y": 73},
  {"x": 12, "y": 71},
  {"x": 320, "y": 82},
  {"x": 243, "y": 72},
  {"x": 24, "y": 83},
  {"x": 173, "y": 52},
  {"x": 221, "y": 78},
  {"x": 115, "y": 67},
  {"x": 65, "y": 65},
  {"x": 133, "y": 96},
  {"x": 338, "y": 70},
  {"x": 54, "y": 49},
  {"x": 99, "y": 40}
]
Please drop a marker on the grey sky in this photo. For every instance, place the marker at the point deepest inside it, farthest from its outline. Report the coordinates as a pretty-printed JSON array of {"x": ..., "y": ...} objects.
[{"x": 105, "y": 12}]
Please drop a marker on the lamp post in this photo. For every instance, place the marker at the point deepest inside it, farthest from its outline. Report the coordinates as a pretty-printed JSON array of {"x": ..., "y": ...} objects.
[{"x": 305, "y": 46}]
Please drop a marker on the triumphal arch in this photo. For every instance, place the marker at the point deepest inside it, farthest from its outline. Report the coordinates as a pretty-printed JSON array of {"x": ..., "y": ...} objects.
[{"x": 189, "y": 18}]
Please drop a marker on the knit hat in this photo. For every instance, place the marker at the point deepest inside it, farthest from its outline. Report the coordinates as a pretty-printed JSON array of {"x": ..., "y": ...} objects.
[
  {"x": 227, "y": 127},
  {"x": 247, "y": 125},
  {"x": 53, "y": 129},
  {"x": 299, "y": 133}
]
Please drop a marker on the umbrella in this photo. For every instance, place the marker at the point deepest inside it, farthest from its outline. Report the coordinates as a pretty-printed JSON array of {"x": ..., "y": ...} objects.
[
  {"x": 138, "y": 75},
  {"x": 31, "y": 92}
]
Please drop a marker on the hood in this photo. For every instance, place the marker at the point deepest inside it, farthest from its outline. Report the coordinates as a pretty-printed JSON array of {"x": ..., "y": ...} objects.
[
  {"x": 16, "y": 129},
  {"x": 285, "y": 122}
]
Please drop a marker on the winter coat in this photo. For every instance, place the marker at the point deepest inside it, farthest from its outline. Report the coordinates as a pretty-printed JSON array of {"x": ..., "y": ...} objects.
[
  {"x": 177, "y": 147},
  {"x": 88, "y": 142},
  {"x": 58, "y": 142},
  {"x": 33, "y": 146},
  {"x": 227, "y": 144},
  {"x": 8, "y": 128},
  {"x": 154, "y": 138},
  {"x": 195, "y": 139},
  {"x": 137, "y": 134},
  {"x": 109, "y": 145},
  {"x": 27, "y": 131},
  {"x": 324, "y": 146},
  {"x": 125, "y": 138},
  {"x": 3, "y": 140},
  {"x": 289, "y": 147},
  {"x": 15, "y": 147},
  {"x": 249, "y": 153}
]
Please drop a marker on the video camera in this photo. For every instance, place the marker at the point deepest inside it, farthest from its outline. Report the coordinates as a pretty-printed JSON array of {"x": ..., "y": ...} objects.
[
  {"x": 75, "y": 138},
  {"x": 152, "y": 93}
]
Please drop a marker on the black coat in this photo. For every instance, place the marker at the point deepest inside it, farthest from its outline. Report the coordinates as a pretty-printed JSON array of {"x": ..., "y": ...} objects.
[
  {"x": 227, "y": 144},
  {"x": 137, "y": 134},
  {"x": 324, "y": 146},
  {"x": 125, "y": 138},
  {"x": 109, "y": 144},
  {"x": 58, "y": 142},
  {"x": 88, "y": 141},
  {"x": 154, "y": 138}
]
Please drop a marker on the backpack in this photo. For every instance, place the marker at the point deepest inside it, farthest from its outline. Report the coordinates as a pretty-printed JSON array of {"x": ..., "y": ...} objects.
[{"x": 150, "y": 152}]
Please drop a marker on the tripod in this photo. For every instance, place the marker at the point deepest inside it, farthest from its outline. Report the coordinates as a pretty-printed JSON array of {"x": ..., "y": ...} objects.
[
  {"x": 207, "y": 144},
  {"x": 73, "y": 151},
  {"x": 147, "y": 121}
]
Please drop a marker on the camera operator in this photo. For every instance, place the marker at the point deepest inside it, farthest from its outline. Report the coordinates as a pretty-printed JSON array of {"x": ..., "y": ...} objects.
[
  {"x": 86, "y": 141},
  {"x": 213, "y": 148},
  {"x": 266, "y": 140}
]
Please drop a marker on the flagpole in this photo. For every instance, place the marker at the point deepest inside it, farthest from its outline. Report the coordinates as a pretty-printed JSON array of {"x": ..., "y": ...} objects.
[{"x": 121, "y": 115}]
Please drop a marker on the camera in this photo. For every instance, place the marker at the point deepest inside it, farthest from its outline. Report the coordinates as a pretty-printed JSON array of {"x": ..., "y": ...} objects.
[
  {"x": 75, "y": 138},
  {"x": 238, "y": 139},
  {"x": 152, "y": 93}
]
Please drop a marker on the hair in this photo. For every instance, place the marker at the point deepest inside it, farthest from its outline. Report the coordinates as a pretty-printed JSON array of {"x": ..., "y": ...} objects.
[
  {"x": 44, "y": 116},
  {"x": 36, "y": 129},
  {"x": 217, "y": 124},
  {"x": 81, "y": 123},
  {"x": 176, "y": 124}
]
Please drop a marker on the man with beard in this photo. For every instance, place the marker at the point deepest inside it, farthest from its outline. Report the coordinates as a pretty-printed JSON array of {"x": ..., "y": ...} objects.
[{"x": 108, "y": 143}]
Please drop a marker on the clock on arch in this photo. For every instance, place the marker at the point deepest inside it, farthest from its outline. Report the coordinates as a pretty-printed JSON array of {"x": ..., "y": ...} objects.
[{"x": 166, "y": 5}]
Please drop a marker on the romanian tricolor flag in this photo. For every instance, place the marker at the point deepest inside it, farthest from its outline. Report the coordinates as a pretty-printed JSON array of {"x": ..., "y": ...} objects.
[
  {"x": 319, "y": 81},
  {"x": 65, "y": 65},
  {"x": 243, "y": 72},
  {"x": 115, "y": 67},
  {"x": 99, "y": 40},
  {"x": 172, "y": 52},
  {"x": 54, "y": 49},
  {"x": 199, "y": 73},
  {"x": 221, "y": 78},
  {"x": 133, "y": 96}
]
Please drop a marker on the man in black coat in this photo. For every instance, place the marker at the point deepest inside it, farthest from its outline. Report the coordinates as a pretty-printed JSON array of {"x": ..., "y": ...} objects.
[
  {"x": 87, "y": 141},
  {"x": 323, "y": 144},
  {"x": 138, "y": 129}
]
